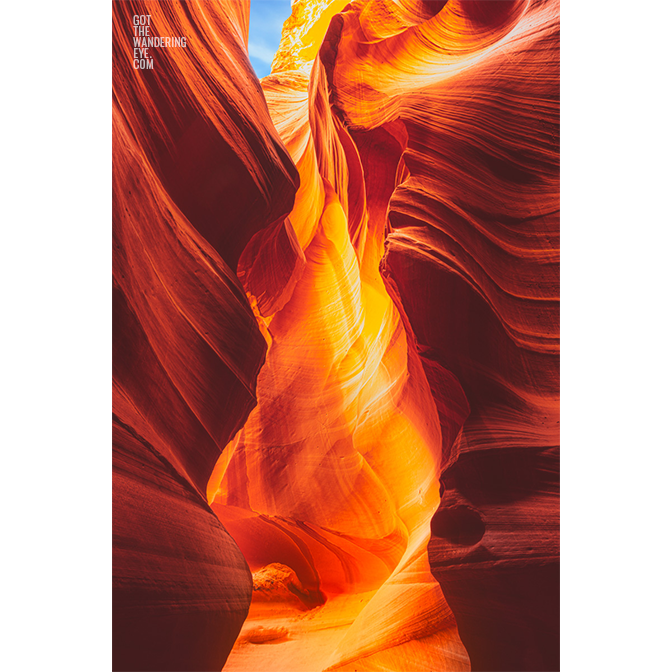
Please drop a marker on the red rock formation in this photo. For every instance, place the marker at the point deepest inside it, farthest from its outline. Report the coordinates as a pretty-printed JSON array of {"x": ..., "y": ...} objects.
[
  {"x": 198, "y": 168},
  {"x": 393, "y": 223},
  {"x": 472, "y": 257}
]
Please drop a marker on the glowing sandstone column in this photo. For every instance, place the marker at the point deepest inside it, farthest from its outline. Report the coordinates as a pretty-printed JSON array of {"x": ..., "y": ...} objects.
[{"x": 335, "y": 473}]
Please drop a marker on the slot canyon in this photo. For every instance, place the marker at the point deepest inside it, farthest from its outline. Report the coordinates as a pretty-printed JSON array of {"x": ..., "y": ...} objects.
[{"x": 336, "y": 339}]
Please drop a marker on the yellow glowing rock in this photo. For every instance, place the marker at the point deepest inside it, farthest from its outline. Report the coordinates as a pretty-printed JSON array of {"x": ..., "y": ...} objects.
[
  {"x": 335, "y": 473},
  {"x": 303, "y": 33}
]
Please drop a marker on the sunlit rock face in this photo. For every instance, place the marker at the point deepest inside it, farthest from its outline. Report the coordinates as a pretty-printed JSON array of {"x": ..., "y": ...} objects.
[
  {"x": 415, "y": 279},
  {"x": 336, "y": 471},
  {"x": 472, "y": 253},
  {"x": 338, "y": 307},
  {"x": 198, "y": 168}
]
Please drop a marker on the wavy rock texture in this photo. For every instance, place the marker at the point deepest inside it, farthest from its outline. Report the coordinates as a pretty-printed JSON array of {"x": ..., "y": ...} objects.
[
  {"x": 473, "y": 254},
  {"x": 335, "y": 473},
  {"x": 391, "y": 212},
  {"x": 198, "y": 168}
]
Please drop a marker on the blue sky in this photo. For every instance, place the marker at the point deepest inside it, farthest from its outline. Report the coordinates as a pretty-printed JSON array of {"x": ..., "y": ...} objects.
[{"x": 266, "y": 19}]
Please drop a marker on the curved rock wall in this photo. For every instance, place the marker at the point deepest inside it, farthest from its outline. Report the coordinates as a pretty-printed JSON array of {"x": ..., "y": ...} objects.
[
  {"x": 472, "y": 254},
  {"x": 336, "y": 304},
  {"x": 197, "y": 168}
]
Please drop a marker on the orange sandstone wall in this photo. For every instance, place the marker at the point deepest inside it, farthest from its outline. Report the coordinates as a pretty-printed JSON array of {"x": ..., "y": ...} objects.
[
  {"x": 197, "y": 168},
  {"x": 336, "y": 304},
  {"x": 472, "y": 254}
]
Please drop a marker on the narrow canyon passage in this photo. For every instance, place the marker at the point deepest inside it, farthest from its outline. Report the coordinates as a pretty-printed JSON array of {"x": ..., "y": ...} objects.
[
  {"x": 330, "y": 487},
  {"x": 337, "y": 330}
]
